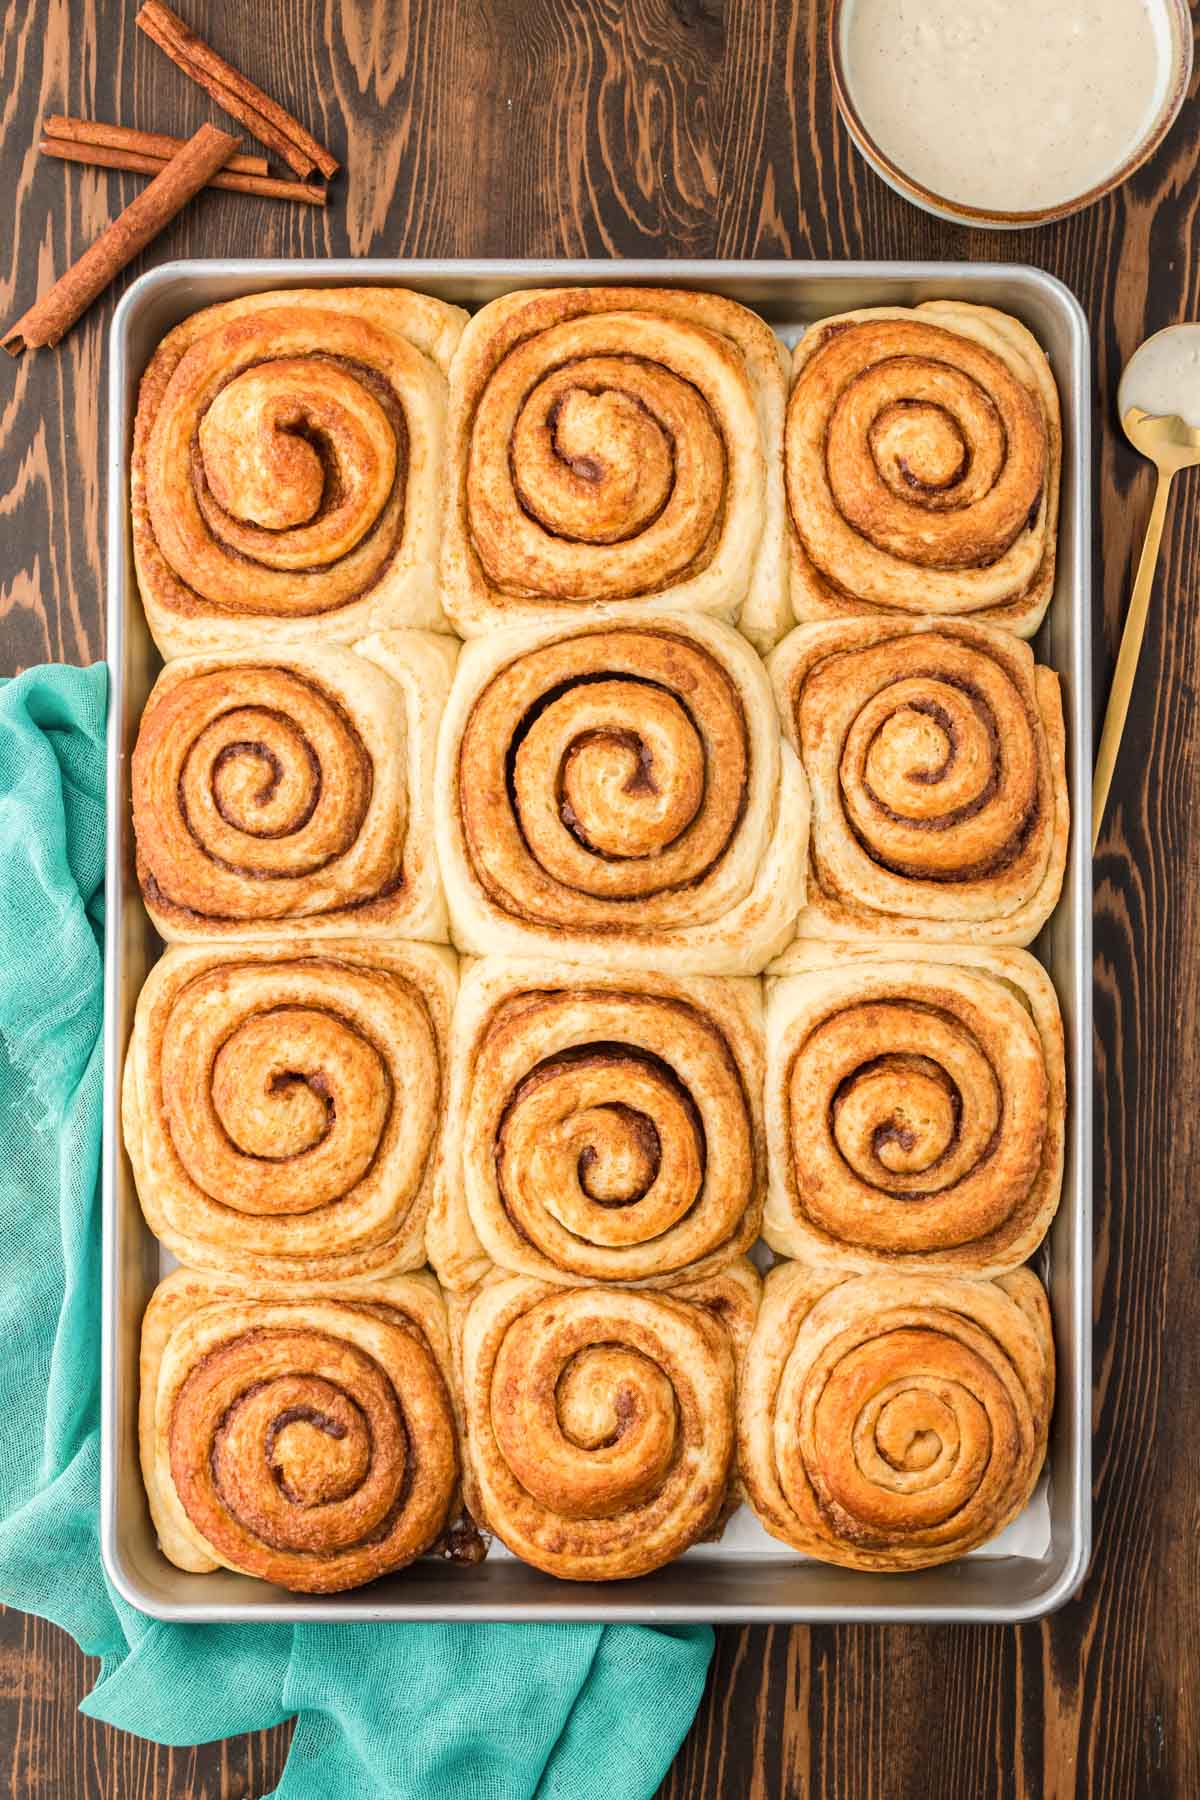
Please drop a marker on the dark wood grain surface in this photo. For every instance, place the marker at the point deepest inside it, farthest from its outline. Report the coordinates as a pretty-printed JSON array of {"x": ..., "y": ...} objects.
[{"x": 703, "y": 128}]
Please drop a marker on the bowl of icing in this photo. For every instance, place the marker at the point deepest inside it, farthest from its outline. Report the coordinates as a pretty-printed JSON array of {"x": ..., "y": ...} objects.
[{"x": 1008, "y": 112}]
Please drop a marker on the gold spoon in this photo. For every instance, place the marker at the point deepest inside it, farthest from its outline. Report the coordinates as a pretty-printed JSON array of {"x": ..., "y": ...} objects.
[{"x": 1170, "y": 445}]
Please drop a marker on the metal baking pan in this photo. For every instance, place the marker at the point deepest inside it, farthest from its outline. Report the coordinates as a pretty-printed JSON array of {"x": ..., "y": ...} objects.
[{"x": 747, "y": 1576}]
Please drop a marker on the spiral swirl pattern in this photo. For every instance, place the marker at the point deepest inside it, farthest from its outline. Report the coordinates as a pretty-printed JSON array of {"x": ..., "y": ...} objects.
[
  {"x": 915, "y": 1107},
  {"x": 270, "y": 793},
  {"x": 600, "y": 1423},
  {"x": 935, "y": 752},
  {"x": 600, "y": 1127},
  {"x": 619, "y": 787},
  {"x": 893, "y": 1422},
  {"x": 609, "y": 446},
  {"x": 311, "y": 1442},
  {"x": 922, "y": 453},
  {"x": 281, "y": 1112},
  {"x": 285, "y": 468}
]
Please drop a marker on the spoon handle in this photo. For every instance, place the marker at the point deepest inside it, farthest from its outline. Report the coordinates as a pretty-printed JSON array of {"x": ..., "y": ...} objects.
[{"x": 1127, "y": 658}]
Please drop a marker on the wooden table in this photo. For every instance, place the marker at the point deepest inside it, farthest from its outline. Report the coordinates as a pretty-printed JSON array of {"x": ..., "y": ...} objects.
[{"x": 700, "y": 128}]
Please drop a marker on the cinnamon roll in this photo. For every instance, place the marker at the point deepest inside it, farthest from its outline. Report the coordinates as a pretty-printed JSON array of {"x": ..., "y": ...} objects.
[
  {"x": 615, "y": 449},
  {"x": 923, "y": 452},
  {"x": 287, "y": 458},
  {"x": 619, "y": 794},
  {"x": 915, "y": 1102},
  {"x": 281, "y": 1109},
  {"x": 305, "y": 1436},
  {"x": 936, "y": 757},
  {"x": 599, "y": 1127},
  {"x": 600, "y": 1421},
  {"x": 291, "y": 796},
  {"x": 893, "y": 1422}
]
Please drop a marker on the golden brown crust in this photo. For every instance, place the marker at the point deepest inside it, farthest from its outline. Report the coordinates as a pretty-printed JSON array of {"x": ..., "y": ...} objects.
[
  {"x": 915, "y": 1101},
  {"x": 600, "y": 1422},
  {"x": 306, "y": 1435},
  {"x": 935, "y": 753},
  {"x": 286, "y": 465},
  {"x": 291, "y": 796},
  {"x": 923, "y": 450},
  {"x": 620, "y": 792},
  {"x": 599, "y": 1127},
  {"x": 612, "y": 449},
  {"x": 282, "y": 1110},
  {"x": 893, "y": 1422}
]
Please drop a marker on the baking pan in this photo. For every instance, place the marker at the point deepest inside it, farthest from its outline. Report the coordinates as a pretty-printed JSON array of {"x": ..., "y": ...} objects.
[{"x": 1037, "y": 1564}]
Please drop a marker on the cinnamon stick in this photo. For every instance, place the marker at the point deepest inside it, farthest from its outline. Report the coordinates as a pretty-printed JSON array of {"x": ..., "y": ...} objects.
[
  {"x": 140, "y": 143},
  {"x": 267, "y": 187},
  {"x": 274, "y": 127},
  {"x": 56, "y": 311}
]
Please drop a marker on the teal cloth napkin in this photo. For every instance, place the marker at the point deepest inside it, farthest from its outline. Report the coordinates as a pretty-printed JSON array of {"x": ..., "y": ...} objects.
[{"x": 468, "y": 1712}]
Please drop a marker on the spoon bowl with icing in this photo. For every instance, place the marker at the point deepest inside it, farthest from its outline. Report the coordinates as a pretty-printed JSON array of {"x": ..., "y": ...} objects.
[{"x": 1008, "y": 112}]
